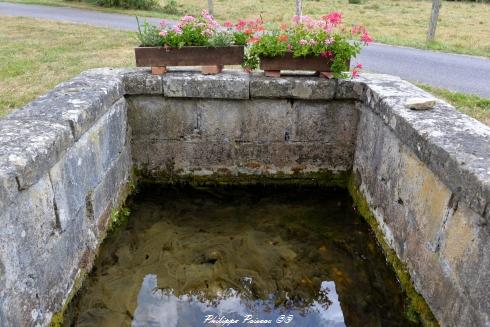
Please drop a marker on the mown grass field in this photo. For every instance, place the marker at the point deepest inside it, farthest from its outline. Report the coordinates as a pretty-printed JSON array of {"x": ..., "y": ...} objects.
[
  {"x": 35, "y": 55},
  {"x": 464, "y": 27}
]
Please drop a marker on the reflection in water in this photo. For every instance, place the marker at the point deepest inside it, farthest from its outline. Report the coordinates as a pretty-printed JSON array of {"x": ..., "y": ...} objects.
[
  {"x": 159, "y": 308},
  {"x": 231, "y": 252}
]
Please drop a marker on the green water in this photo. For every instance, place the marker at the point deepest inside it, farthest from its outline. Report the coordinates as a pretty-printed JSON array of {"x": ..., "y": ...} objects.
[{"x": 240, "y": 257}]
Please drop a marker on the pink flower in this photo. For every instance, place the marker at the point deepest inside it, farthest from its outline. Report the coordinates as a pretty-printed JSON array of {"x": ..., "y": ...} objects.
[
  {"x": 228, "y": 24},
  {"x": 241, "y": 25},
  {"x": 163, "y": 23},
  {"x": 177, "y": 30},
  {"x": 328, "y": 27},
  {"x": 207, "y": 32},
  {"x": 313, "y": 42},
  {"x": 296, "y": 19},
  {"x": 188, "y": 19},
  {"x": 334, "y": 18},
  {"x": 163, "y": 33},
  {"x": 303, "y": 42},
  {"x": 359, "y": 66},
  {"x": 366, "y": 38},
  {"x": 355, "y": 73},
  {"x": 329, "y": 41},
  {"x": 327, "y": 54}
]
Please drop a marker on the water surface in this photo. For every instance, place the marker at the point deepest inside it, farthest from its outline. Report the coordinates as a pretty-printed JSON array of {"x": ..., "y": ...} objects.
[{"x": 251, "y": 256}]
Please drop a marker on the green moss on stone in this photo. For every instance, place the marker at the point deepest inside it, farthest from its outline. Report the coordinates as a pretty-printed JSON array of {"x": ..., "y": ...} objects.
[
  {"x": 324, "y": 178},
  {"x": 417, "y": 309},
  {"x": 118, "y": 217},
  {"x": 58, "y": 318}
]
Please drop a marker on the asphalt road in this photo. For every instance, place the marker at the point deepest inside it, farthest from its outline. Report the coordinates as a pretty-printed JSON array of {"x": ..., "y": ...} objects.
[{"x": 454, "y": 72}]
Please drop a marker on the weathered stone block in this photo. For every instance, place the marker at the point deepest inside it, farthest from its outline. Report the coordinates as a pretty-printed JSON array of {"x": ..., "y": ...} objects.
[
  {"x": 158, "y": 118},
  {"x": 142, "y": 82},
  {"x": 76, "y": 175},
  {"x": 25, "y": 229},
  {"x": 77, "y": 104},
  {"x": 108, "y": 192},
  {"x": 331, "y": 122},
  {"x": 309, "y": 88},
  {"x": 233, "y": 85},
  {"x": 31, "y": 148},
  {"x": 424, "y": 221},
  {"x": 350, "y": 89}
]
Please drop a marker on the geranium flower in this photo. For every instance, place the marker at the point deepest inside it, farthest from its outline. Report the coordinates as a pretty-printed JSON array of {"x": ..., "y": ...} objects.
[
  {"x": 359, "y": 66},
  {"x": 188, "y": 19},
  {"x": 327, "y": 54},
  {"x": 355, "y": 73},
  {"x": 334, "y": 18},
  {"x": 303, "y": 42},
  {"x": 228, "y": 24},
  {"x": 241, "y": 25},
  {"x": 366, "y": 38},
  {"x": 248, "y": 31},
  {"x": 329, "y": 41},
  {"x": 282, "y": 37},
  {"x": 284, "y": 26},
  {"x": 254, "y": 39}
]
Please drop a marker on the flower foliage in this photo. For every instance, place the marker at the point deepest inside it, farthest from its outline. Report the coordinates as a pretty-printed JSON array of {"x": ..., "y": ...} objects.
[
  {"x": 190, "y": 31},
  {"x": 326, "y": 37}
]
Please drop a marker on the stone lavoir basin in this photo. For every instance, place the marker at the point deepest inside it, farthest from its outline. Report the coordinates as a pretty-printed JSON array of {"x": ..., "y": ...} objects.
[{"x": 236, "y": 195}]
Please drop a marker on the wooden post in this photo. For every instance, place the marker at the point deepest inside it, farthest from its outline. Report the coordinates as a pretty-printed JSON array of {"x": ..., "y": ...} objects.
[
  {"x": 299, "y": 9},
  {"x": 436, "y": 5},
  {"x": 210, "y": 7}
]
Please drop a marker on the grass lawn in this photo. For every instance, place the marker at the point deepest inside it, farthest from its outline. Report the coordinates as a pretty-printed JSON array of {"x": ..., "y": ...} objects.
[
  {"x": 472, "y": 105},
  {"x": 464, "y": 27},
  {"x": 35, "y": 55}
]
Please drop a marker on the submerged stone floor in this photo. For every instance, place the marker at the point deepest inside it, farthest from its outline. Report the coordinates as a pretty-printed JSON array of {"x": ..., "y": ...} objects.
[{"x": 187, "y": 253}]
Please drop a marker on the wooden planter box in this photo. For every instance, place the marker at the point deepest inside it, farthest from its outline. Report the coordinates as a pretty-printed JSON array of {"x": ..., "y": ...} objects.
[
  {"x": 211, "y": 59},
  {"x": 272, "y": 66}
]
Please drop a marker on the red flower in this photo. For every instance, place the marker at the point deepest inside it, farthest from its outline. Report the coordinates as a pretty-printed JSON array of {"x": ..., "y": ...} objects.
[
  {"x": 327, "y": 54},
  {"x": 240, "y": 25},
  {"x": 334, "y": 18},
  {"x": 254, "y": 39},
  {"x": 355, "y": 73},
  {"x": 228, "y": 24},
  {"x": 366, "y": 38},
  {"x": 284, "y": 26},
  {"x": 359, "y": 66},
  {"x": 282, "y": 37},
  {"x": 248, "y": 31}
]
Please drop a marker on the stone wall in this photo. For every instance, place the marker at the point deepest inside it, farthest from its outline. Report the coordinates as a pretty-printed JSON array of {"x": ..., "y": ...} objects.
[
  {"x": 65, "y": 162},
  {"x": 426, "y": 177}
]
